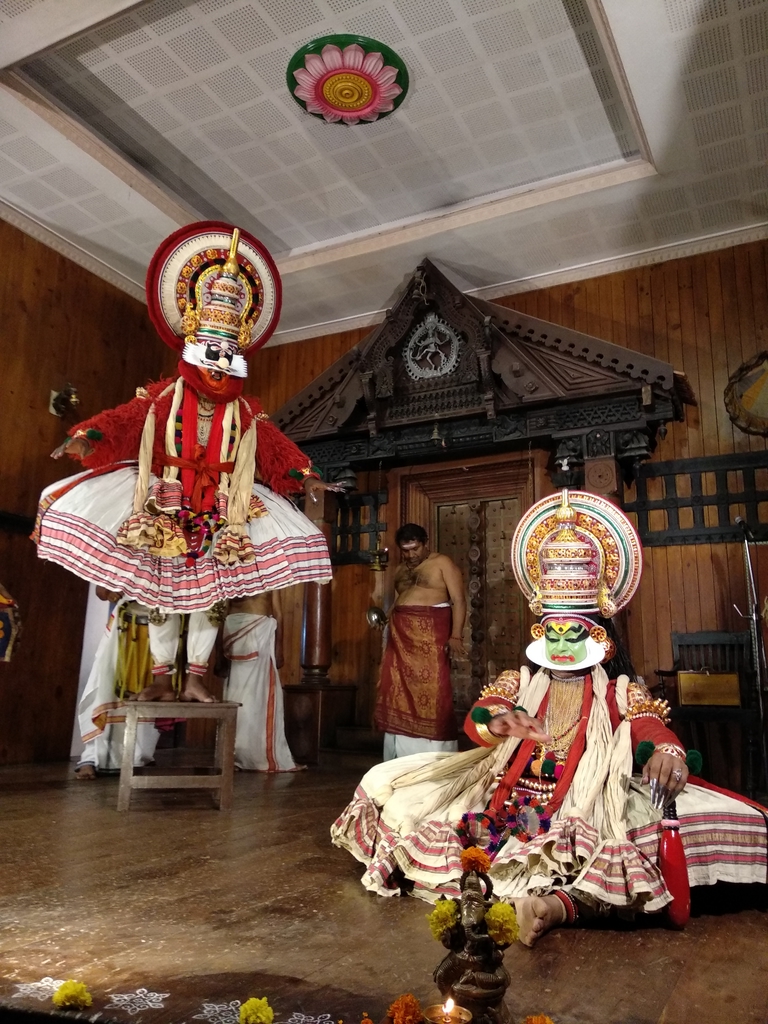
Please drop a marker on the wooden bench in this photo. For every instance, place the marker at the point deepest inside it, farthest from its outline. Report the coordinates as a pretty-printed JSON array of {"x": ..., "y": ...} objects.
[{"x": 222, "y": 778}]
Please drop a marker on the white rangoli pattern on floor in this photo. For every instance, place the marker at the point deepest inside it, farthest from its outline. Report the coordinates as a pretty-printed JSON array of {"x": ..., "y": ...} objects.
[
  {"x": 135, "y": 1002},
  {"x": 40, "y": 990}
]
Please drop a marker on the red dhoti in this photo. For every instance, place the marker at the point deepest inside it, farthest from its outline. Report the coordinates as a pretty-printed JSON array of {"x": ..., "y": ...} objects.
[{"x": 415, "y": 697}]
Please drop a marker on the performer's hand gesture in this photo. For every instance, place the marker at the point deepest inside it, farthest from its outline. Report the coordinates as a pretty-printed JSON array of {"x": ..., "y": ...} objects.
[
  {"x": 518, "y": 723},
  {"x": 74, "y": 447},
  {"x": 666, "y": 775},
  {"x": 314, "y": 488}
]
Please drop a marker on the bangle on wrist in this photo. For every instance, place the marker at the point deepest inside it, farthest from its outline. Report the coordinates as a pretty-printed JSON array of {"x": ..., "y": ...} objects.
[{"x": 311, "y": 472}]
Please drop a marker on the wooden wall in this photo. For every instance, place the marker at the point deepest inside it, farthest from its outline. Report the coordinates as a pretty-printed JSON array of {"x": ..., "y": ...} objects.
[
  {"x": 704, "y": 314},
  {"x": 59, "y": 324}
]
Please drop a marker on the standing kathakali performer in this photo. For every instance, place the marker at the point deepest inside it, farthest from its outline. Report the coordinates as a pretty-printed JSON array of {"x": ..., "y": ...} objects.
[
  {"x": 10, "y": 624},
  {"x": 182, "y": 503},
  {"x": 549, "y": 791}
]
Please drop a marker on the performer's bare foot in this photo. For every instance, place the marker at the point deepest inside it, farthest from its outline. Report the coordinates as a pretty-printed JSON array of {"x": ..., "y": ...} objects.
[
  {"x": 161, "y": 688},
  {"x": 85, "y": 773},
  {"x": 195, "y": 691},
  {"x": 536, "y": 915}
]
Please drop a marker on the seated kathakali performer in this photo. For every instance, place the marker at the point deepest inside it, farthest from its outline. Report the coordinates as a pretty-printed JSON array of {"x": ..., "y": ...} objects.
[
  {"x": 549, "y": 791},
  {"x": 183, "y": 500}
]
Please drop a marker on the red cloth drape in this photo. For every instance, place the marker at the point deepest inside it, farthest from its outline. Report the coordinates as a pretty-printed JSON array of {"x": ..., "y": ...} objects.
[{"x": 415, "y": 697}]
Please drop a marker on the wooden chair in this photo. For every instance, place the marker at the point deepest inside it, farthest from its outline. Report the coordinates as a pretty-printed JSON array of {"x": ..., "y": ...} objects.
[{"x": 715, "y": 652}]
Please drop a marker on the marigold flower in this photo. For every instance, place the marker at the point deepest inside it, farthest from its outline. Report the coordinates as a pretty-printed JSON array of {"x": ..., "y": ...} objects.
[
  {"x": 256, "y": 1011},
  {"x": 539, "y": 1018},
  {"x": 501, "y": 921},
  {"x": 406, "y": 1009},
  {"x": 73, "y": 995},
  {"x": 475, "y": 859},
  {"x": 444, "y": 916}
]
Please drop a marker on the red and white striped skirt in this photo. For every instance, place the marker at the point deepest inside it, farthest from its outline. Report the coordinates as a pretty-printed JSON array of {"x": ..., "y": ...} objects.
[{"x": 78, "y": 521}]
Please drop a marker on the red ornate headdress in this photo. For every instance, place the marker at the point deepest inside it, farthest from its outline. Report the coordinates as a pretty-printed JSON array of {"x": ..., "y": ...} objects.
[{"x": 214, "y": 293}]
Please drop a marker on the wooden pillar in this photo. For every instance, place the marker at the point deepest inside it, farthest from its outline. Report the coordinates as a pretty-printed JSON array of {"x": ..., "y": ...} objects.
[{"x": 316, "y": 636}]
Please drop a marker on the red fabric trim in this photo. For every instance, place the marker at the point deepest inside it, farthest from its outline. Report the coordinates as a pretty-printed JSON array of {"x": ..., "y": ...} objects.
[
  {"x": 526, "y": 748},
  {"x": 121, "y": 429},
  {"x": 513, "y": 773},
  {"x": 470, "y": 726},
  {"x": 571, "y": 907},
  {"x": 577, "y": 749},
  {"x": 199, "y": 480},
  {"x": 93, "y": 554},
  {"x": 271, "y": 760},
  {"x": 652, "y": 729}
]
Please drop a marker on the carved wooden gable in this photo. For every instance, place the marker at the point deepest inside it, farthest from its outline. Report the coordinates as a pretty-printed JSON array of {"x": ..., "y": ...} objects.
[{"x": 441, "y": 355}]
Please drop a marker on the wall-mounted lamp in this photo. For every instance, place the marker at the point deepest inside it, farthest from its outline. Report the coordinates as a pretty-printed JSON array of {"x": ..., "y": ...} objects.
[
  {"x": 64, "y": 401},
  {"x": 379, "y": 557}
]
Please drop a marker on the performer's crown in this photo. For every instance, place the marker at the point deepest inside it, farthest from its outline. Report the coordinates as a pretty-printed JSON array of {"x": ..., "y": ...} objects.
[
  {"x": 576, "y": 552},
  {"x": 220, "y": 317}
]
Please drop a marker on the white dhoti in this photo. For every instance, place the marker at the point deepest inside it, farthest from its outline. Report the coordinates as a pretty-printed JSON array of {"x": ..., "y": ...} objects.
[
  {"x": 101, "y": 724},
  {"x": 249, "y": 643}
]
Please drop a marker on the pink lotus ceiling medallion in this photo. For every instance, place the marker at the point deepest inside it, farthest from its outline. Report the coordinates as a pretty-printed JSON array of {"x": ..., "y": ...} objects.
[{"x": 347, "y": 79}]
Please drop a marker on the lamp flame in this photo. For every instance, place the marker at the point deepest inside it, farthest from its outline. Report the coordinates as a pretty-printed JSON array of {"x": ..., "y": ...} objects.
[{"x": 447, "y": 1006}]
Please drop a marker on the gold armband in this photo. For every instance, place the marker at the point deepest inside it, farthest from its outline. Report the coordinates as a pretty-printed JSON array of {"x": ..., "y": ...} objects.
[
  {"x": 506, "y": 685},
  {"x": 486, "y": 735},
  {"x": 649, "y": 708}
]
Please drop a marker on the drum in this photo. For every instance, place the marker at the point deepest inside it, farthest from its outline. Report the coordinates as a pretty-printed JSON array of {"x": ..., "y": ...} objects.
[{"x": 134, "y": 662}]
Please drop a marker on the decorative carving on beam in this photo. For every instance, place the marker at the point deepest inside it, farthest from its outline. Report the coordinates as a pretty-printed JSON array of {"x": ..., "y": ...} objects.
[{"x": 450, "y": 373}]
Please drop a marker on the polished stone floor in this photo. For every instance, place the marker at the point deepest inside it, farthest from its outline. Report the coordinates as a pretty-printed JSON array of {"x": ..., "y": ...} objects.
[{"x": 176, "y": 912}]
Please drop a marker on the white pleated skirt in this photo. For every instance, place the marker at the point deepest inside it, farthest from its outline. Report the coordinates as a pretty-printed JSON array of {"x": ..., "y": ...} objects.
[{"x": 78, "y": 521}]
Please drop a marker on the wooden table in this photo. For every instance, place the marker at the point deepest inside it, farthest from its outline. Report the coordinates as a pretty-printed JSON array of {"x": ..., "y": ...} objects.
[{"x": 222, "y": 778}]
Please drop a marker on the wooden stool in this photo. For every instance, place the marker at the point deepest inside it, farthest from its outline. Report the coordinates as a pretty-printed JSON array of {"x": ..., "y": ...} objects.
[{"x": 224, "y": 712}]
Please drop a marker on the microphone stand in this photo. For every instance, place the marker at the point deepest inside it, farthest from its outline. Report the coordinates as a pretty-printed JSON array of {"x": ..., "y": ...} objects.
[{"x": 758, "y": 647}]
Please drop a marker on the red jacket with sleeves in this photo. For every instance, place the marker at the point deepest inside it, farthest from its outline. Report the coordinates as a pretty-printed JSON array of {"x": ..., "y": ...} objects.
[{"x": 121, "y": 428}]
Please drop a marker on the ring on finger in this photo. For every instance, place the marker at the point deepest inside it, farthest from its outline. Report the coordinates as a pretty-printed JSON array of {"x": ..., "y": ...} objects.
[{"x": 678, "y": 773}]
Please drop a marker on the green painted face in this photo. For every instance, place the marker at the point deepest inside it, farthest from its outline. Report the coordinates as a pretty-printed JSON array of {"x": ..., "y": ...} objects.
[{"x": 565, "y": 642}]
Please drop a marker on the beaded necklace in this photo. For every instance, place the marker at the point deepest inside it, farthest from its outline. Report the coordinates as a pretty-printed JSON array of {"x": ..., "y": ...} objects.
[
  {"x": 561, "y": 720},
  {"x": 205, "y": 411}
]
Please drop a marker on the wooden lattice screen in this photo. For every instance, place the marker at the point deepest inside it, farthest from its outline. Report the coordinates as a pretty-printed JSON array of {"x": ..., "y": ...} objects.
[
  {"x": 696, "y": 501},
  {"x": 357, "y": 528}
]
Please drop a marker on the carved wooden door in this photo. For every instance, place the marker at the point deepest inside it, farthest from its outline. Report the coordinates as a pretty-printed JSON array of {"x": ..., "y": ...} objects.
[
  {"x": 476, "y": 535},
  {"x": 470, "y": 511}
]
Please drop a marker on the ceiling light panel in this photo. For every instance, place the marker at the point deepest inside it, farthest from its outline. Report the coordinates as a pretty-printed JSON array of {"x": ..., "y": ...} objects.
[{"x": 501, "y": 95}]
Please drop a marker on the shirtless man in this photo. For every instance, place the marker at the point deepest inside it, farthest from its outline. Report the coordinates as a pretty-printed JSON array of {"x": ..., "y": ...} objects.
[
  {"x": 414, "y": 705},
  {"x": 253, "y": 643}
]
